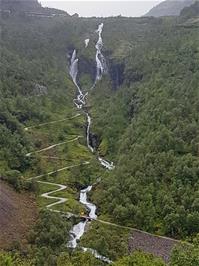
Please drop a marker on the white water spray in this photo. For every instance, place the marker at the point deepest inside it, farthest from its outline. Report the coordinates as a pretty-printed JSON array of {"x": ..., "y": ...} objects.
[
  {"x": 97, "y": 255},
  {"x": 88, "y": 133},
  {"x": 90, "y": 206},
  {"x": 106, "y": 164},
  {"x": 78, "y": 230},
  {"x": 73, "y": 73},
  {"x": 86, "y": 42},
  {"x": 101, "y": 67}
]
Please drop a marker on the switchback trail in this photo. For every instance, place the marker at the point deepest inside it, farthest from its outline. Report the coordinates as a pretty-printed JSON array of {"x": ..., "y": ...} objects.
[
  {"x": 53, "y": 146},
  {"x": 137, "y": 230},
  {"x": 58, "y": 170},
  {"x": 46, "y": 195},
  {"x": 61, "y": 187},
  {"x": 52, "y": 122},
  {"x": 59, "y": 200}
]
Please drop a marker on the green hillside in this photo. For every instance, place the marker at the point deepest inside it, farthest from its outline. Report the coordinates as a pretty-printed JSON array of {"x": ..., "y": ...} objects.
[
  {"x": 152, "y": 134},
  {"x": 144, "y": 118}
]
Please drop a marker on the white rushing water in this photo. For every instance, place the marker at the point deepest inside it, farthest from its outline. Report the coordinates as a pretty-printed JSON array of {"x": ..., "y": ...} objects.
[
  {"x": 80, "y": 100},
  {"x": 97, "y": 255},
  {"x": 90, "y": 206},
  {"x": 78, "y": 230},
  {"x": 100, "y": 59},
  {"x": 76, "y": 233},
  {"x": 88, "y": 132},
  {"x": 106, "y": 164},
  {"x": 86, "y": 42}
]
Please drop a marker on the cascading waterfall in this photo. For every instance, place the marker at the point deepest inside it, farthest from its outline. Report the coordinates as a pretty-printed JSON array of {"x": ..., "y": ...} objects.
[
  {"x": 101, "y": 67},
  {"x": 78, "y": 230},
  {"x": 76, "y": 233},
  {"x": 88, "y": 132},
  {"x": 74, "y": 68},
  {"x": 86, "y": 42},
  {"x": 73, "y": 73},
  {"x": 106, "y": 164},
  {"x": 97, "y": 255},
  {"x": 90, "y": 206}
]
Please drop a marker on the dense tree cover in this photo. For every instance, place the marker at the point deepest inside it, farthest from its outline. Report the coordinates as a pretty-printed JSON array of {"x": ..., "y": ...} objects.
[
  {"x": 155, "y": 184},
  {"x": 48, "y": 246},
  {"x": 139, "y": 259},
  {"x": 105, "y": 239},
  {"x": 25, "y": 66},
  {"x": 186, "y": 255}
]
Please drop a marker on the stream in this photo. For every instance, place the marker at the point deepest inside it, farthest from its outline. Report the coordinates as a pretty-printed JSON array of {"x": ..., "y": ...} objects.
[{"x": 78, "y": 230}]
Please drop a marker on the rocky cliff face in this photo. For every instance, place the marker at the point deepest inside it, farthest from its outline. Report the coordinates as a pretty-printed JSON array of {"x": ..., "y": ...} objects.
[
  {"x": 169, "y": 8},
  {"x": 116, "y": 72}
]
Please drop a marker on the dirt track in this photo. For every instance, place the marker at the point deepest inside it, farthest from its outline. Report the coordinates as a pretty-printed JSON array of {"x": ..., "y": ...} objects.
[{"x": 18, "y": 213}]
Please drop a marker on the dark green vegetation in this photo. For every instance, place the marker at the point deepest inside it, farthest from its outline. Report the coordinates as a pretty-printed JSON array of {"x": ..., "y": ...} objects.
[
  {"x": 145, "y": 117},
  {"x": 186, "y": 255},
  {"x": 154, "y": 126},
  {"x": 48, "y": 246},
  {"x": 139, "y": 259},
  {"x": 105, "y": 239}
]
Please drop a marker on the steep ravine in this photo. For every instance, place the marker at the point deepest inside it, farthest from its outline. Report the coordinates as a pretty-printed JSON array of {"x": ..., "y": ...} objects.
[
  {"x": 78, "y": 230},
  {"x": 80, "y": 101}
]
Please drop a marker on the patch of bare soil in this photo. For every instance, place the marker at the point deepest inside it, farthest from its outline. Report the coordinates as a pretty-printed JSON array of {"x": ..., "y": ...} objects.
[
  {"x": 18, "y": 213},
  {"x": 158, "y": 246}
]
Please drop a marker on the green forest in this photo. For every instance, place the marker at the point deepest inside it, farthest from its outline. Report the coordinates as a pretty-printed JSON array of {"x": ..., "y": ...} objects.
[{"x": 144, "y": 118}]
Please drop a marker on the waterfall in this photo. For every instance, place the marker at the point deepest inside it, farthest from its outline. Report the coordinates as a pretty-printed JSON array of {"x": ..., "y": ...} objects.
[
  {"x": 90, "y": 206},
  {"x": 78, "y": 230},
  {"x": 101, "y": 67},
  {"x": 73, "y": 73},
  {"x": 76, "y": 233},
  {"x": 86, "y": 42},
  {"x": 88, "y": 133}
]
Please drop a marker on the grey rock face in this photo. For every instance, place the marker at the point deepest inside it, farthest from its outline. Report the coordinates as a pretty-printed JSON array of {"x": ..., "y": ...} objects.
[{"x": 169, "y": 8}]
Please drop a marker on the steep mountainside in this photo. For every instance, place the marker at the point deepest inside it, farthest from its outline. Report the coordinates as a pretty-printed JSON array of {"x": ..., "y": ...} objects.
[
  {"x": 169, "y": 8},
  {"x": 27, "y": 6},
  {"x": 143, "y": 117},
  {"x": 152, "y": 133},
  {"x": 20, "y": 5}
]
